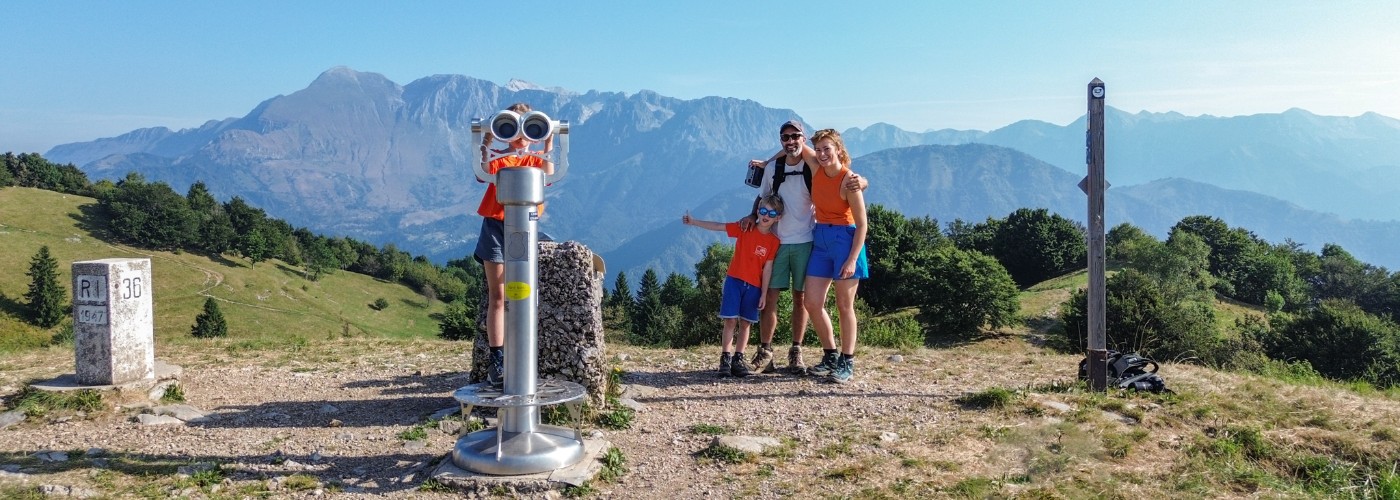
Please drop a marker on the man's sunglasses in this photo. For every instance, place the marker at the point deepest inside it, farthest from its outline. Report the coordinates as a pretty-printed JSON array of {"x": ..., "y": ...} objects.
[
  {"x": 790, "y": 137},
  {"x": 764, "y": 211}
]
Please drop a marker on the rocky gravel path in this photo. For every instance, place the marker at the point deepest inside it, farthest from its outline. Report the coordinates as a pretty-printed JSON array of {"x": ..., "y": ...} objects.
[{"x": 330, "y": 419}]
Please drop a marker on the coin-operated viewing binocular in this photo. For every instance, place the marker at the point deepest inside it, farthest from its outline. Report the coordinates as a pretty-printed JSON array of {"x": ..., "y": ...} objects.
[{"x": 507, "y": 126}]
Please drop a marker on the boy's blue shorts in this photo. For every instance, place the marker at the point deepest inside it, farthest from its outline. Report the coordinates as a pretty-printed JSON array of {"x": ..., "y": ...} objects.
[
  {"x": 831, "y": 245},
  {"x": 739, "y": 300}
]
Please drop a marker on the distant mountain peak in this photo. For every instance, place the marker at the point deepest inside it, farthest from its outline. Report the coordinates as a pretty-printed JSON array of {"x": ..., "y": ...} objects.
[
  {"x": 516, "y": 85},
  {"x": 346, "y": 76}
]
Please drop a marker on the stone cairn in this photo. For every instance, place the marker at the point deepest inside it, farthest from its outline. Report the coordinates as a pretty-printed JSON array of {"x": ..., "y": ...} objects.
[{"x": 570, "y": 321}]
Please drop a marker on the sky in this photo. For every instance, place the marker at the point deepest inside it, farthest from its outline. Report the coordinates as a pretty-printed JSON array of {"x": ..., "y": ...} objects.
[{"x": 73, "y": 71}]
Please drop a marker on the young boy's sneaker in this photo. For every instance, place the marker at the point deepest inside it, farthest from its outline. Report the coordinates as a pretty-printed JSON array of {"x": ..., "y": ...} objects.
[
  {"x": 795, "y": 364},
  {"x": 844, "y": 372},
  {"x": 495, "y": 368},
  {"x": 763, "y": 360},
  {"x": 825, "y": 367},
  {"x": 726, "y": 365},
  {"x": 739, "y": 367}
]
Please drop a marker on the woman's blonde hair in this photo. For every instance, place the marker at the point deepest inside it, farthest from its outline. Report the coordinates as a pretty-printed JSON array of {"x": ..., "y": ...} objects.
[{"x": 835, "y": 137}]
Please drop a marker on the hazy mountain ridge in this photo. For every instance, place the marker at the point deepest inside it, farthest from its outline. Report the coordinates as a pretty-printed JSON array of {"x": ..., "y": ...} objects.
[
  {"x": 975, "y": 181},
  {"x": 1324, "y": 163},
  {"x": 356, "y": 154}
]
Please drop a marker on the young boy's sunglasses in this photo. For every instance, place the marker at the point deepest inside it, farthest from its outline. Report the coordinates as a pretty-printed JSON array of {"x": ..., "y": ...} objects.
[{"x": 764, "y": 211}]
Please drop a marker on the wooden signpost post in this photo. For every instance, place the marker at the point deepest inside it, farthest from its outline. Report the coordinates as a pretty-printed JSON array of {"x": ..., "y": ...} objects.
[{"x": 1094, "y": 186}]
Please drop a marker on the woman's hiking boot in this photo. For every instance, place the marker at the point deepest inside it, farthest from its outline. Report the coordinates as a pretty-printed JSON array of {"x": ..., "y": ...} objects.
[
  {"x": 825, "y": 367},
  {"x": 726, "y": 364},
  {"x": 844, "y": 372}
]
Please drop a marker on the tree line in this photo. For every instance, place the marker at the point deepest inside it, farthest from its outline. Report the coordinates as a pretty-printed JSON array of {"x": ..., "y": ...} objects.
[
  {"x": 153, "y": 215},
  {"x": 925, "y": 282},
  {"x": 1325, "y": 312}
]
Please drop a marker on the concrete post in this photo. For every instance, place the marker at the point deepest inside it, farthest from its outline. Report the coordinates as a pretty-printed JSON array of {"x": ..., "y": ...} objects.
[{"x": 113, "y": 324}]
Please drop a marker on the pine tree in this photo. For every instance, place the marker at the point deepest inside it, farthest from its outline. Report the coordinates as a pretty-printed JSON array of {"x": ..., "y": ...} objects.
[
  {"x": 210, "y": 323},
  {"x": 647, "y": 328},
  {"x": 46, "y": 304},
  {"x": 617, "y": 311}
]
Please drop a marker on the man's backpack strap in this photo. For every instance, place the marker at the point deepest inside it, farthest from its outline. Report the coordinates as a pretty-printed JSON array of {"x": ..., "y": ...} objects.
[{"x": 780, "y": 173}]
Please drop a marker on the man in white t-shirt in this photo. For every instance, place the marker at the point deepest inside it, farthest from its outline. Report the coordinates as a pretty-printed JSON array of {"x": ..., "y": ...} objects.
[{"x": 794, "y": 230}]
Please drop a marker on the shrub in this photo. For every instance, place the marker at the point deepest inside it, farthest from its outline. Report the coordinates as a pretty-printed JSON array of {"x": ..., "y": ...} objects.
[
  {"x": 458, "y": 322},
  {"x": 1341, "y": 341},
  {"x": 959, "y": 291},
  {"x": 898, "y": 331},
  {"x": 210, "y": 323}
]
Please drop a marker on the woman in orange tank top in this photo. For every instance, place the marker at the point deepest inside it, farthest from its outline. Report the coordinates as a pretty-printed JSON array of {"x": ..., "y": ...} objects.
[{"x": 838, "y": 255}]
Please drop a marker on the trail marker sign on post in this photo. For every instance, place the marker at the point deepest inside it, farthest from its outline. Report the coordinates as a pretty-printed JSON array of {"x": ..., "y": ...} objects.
[{"x": 1094, "y": 185}]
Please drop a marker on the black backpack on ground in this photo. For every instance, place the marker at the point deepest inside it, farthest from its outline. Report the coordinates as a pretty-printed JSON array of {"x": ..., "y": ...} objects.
[{"x": 1129, "y": 371}]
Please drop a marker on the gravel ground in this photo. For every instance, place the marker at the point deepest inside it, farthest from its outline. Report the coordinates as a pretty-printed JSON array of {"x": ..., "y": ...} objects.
[{"x": 334, "y": 411}]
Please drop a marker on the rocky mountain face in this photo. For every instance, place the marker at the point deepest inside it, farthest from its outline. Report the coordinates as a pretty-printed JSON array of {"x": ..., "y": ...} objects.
[{"x": 358, "y": 155}]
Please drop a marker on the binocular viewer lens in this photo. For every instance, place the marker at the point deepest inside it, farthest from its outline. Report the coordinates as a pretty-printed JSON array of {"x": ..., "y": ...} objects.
[{"x": 508, "y": 126}]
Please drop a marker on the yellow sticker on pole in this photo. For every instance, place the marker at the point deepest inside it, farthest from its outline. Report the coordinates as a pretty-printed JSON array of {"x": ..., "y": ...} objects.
[{"x": 517, "y": 290}]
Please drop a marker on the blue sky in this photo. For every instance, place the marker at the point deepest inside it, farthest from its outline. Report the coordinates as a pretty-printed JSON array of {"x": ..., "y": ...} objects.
[{"x": 77, "y": 71}]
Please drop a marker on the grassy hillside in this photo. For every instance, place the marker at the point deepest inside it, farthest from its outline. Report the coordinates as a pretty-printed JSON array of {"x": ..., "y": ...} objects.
[{"x": 270, "y": 302}]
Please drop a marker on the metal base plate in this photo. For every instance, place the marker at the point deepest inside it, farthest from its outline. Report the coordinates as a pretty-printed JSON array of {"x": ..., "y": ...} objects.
[{"x": 549, "y": 447}]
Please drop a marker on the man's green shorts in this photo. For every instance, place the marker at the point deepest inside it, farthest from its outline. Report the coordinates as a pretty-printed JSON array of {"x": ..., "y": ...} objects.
[{"x": 790, "y": 267}]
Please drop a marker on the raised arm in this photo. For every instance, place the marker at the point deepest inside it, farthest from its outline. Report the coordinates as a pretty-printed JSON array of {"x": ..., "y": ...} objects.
[
  {"x": 854, "y": 182},
  {"x": 809, "y": 155},
  {"x": 548, "y": 149},
  {"x": 703, "y": 224}
]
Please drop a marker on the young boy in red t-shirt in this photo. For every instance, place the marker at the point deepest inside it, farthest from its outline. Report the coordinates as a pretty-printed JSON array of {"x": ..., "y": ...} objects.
[{"x": 746, "y": 285}]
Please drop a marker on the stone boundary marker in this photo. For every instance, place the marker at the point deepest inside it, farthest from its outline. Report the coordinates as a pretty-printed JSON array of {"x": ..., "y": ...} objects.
[
  {"x": 113, "y": 334},
  {"x": 113, "y": 321}
]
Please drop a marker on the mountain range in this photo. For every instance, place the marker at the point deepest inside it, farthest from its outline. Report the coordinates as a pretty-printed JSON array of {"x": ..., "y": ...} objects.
[{"x": 356, "y": 154}]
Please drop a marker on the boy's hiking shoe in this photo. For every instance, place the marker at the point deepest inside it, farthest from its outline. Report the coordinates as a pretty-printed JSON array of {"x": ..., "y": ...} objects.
[
  {"x": 844, "y": 372},
  {"x": 726, "y": 365},
  {"x": 739, "y": 368},
  {"x": 495, "y": 368},
  {"x": 763, "y": 360},
  {"x": 795, "y": 364},
  {"x": 825, "y": 367}
]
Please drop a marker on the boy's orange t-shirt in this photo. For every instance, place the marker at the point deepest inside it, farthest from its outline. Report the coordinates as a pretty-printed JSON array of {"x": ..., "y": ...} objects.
[
  {"x": 751, "y": 250},
  {"x": 492, "y": 208}
]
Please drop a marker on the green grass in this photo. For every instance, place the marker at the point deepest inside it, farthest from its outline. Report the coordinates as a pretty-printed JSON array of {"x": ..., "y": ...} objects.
[
  {"x": 995, "y": 397},
  {"x": 266, "y": 302},
  {"x": 709, "y": 429},
  {"x": 37, "y": 403},
  {"x": 726, "y": 454}
]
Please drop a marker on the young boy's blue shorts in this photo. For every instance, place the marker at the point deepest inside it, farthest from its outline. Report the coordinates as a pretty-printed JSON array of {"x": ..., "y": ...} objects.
[
  {"x": 739, "y": 300},
  {"x": 831, "y": 245}
]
